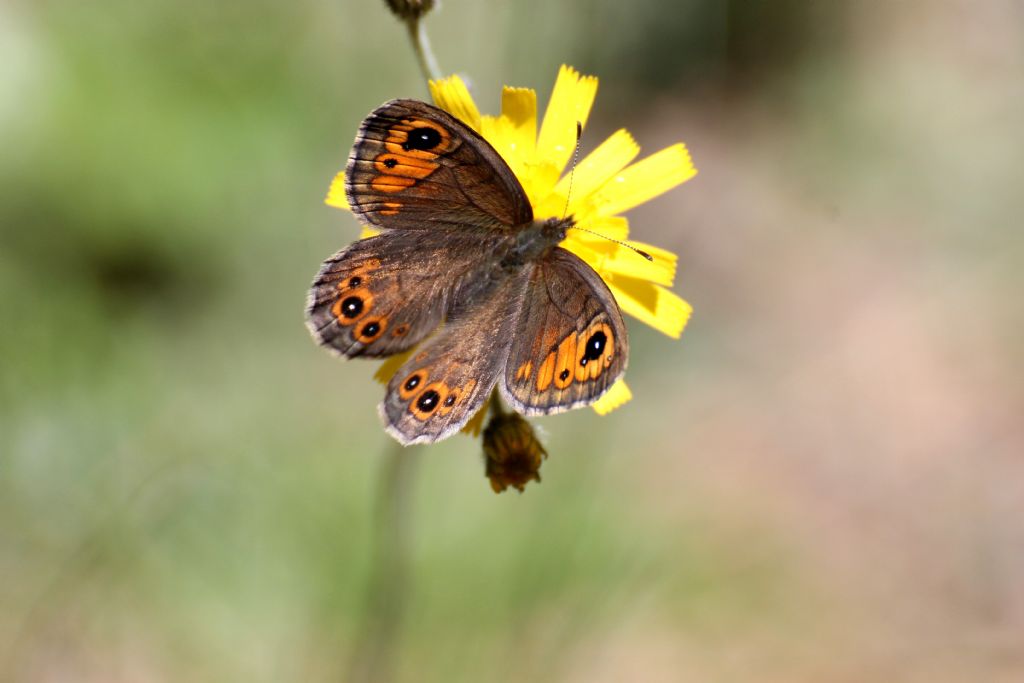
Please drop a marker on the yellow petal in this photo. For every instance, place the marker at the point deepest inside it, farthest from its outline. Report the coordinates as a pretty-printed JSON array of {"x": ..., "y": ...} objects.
[
  {"x": 519, "y": 107},
  {"x": 610, "y": 157},
  {"x": 502, "y": 134},
  {"x": 650, "y": 304},
  {"x": 336, "y": 193},
  {"x": 644, "y": 180},
  {"x": 535, "y": 179},
  {"x": 548, "y": 203},
  {"x": 614, "y": 227},
  {"x": 336, "y": 198},
  {"x": 514, "y": 135},
  {"x": 538, "y": 179},
  {"x": 390, "y": 366},
  {"x": 452, "y": 95},
  {"x": 476, "y": 423},
  {"x": 570, "y": 104},
  {"x": 618, "y": 395},
  {"x": 497, "y": 130}
]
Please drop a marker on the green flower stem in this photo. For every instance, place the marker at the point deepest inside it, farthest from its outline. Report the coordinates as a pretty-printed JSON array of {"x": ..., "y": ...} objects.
[
  {"x": 376, "y": 649},
  {"x": 421, "y": 46}
]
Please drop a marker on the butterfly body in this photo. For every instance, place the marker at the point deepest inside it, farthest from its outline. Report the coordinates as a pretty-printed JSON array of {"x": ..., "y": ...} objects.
[{"x": 465, "y": 278}]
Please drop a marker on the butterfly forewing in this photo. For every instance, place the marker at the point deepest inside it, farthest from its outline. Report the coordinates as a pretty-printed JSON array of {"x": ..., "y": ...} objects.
[{"x": 415, "y": 167}]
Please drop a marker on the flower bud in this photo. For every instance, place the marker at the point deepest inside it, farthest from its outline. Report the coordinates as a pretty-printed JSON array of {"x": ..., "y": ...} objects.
[
  {"x": 512, "y": 451},
  {"x": 410, "y": 9}
]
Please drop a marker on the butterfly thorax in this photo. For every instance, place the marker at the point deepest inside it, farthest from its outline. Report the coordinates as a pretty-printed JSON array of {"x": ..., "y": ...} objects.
[{"x": 536, "y": 241}]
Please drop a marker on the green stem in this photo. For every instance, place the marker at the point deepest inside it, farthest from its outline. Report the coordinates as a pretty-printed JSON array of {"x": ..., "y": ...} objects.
[
  {"x": 421, "y": 46},
  {"x": 374, "y": 657}
]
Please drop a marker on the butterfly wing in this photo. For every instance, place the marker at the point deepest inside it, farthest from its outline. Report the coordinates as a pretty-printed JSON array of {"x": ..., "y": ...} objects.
[
  {"x": 570, "y": 343},
  {"x": 450, "y": 377},
  {"x": 416, "y": 167},
  {"x": 382, "y": 295}
]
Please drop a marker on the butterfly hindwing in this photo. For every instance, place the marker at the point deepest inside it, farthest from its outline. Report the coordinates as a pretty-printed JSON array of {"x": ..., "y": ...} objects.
[
  {"x": 570, "y": 344},
  {"x": 449, "y": 378}
]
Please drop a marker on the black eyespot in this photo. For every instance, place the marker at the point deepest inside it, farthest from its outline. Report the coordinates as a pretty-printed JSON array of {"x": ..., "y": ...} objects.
[
  {"x": 450, "y": 401},
  {"x": 370, "y": 329},
  {"x": 355, "y": 281},
  {"x": 428, "y": 401},
  {"x": 351, "y": 307},
  {"x": 563, "y": 374},
  {"x": 595, "y": 347},
  {"x": 412, "y": 382},
  {"x": 391, "y": 162},
  {"x": 422, "y": 138}
]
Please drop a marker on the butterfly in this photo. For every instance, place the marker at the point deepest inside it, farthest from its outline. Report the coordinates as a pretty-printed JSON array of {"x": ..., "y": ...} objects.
[{"x": 462, "y": 273}]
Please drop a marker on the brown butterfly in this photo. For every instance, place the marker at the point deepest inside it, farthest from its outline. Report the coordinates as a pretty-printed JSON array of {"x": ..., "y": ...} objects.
[{"x": 462, "y": 270}]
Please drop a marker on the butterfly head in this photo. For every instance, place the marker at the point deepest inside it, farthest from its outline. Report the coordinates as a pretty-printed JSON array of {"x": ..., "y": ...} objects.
[
  {"x": 536, "y": 241},
  {"x": 553, "y": 229}
]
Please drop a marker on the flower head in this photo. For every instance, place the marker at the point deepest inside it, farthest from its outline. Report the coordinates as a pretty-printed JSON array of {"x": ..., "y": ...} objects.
[{"x": 604, "y": 184}]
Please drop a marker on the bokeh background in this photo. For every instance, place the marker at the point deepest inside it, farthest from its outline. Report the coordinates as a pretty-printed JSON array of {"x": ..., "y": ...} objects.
[{"x": 822, "y": 481}]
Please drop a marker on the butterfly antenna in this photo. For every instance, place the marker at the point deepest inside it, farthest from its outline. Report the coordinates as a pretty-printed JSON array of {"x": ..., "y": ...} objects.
[
  {"x": 568, "y": 195},
  {"x": 572, "y": 171},
  {"x": 612, "y": 239}
]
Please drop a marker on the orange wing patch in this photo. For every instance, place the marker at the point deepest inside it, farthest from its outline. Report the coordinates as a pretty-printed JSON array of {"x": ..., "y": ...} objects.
[
  {"x": 565, "y": 362},
  {"x": 404, "y": 165},
  {"x": 454, "y": 397},
  {"x": 429, "y": 400},
  {"x": 392, "y": 183},
  {"x": 351, "y": 279},
  {"x": 579, "y": 357},
  {"x": 371, "y": 330},
  {"x": 595, "y": 352},
  {"x": 352, "y": 306},
  {"x": 365, "y": 268},
  {"x": 427, "y": 141},
  {"x": 426, "y": 400},
  {"x": 524, "y": 370},
  {"x": 412, "y": 384},
  {"x": 546, "y": 372},
  {"x": 411, "y": 148}
]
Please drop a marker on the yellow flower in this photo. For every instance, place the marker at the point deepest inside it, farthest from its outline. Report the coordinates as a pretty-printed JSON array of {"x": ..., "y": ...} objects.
[{"x": 604, "y": 184}]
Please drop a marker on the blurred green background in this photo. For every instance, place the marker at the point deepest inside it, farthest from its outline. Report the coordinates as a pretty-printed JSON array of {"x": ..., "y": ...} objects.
[{"x": 823, "y": 481}]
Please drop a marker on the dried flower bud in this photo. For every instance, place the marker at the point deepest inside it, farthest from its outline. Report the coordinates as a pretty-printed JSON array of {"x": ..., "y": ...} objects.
[
  {"x": 410, "y": 9},
  {"x": 513, "y": 452}
]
